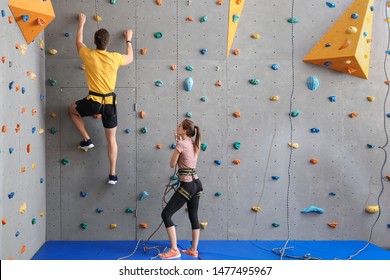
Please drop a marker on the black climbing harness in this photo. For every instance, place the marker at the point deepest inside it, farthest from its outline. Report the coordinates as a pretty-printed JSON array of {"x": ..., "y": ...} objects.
[
  {"x": 181, "y": 190},
  {"x": 103, "y": 103}
]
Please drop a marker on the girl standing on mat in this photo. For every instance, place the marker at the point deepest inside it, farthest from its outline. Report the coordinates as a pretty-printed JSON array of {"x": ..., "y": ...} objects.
[{"x": 189, "y": 191}]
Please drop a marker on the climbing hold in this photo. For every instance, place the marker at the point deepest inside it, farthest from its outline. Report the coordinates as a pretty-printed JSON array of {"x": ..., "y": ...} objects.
[
  {"x": 83, "y": 226},
  {"x": 274, "y": 98},
  {"x": 82, "y": 67},
  {"x": 33, "y": 112},
  {"x": 218, "y": 83},
  {"x": 52, "y": 82},
  {"x": 11, "y": 85},
  {"x": 275, "y": 178},
  {"x": 254, "y": 81},
  {"x": 203, "y": 146},
  {"x": 218, "y": 194},
  {"x": 142, "y": 114},
  {"x": 203, "y": 51},
  {"x": 83, "y": 194},
  {"x": 10, "y": 19},
  {"x": 313, "y": 209},
  {"x": 355, "y": 16},
  {"x": 203, "y": 19},
  {"x": 17, "y": 128},
  {"x": 294, "y": 145},
  {"x": 255, "y": 36},
  {"x": 159, "y": 146},
  {"x": 236, "y": 52},
  {"x": 99, "y": 210},
  {"x": 346, "y": 44},
  {"x": 370, "y": 146},
  {"x": 236, "y": 161},
  {"x": 52, "y": 51},
  {"x": 129, "y": 210},
  {"x": 203, "y": 98},
  {"x": 3, "y": 221},
  {"x": 238, "y": 114},
  {"x": 53, "y": 130},
  {"x": 144, "y": 129},
  {"x": 351, "y": 30},
  {"x": 11, "y": 150},
  {"x": 143, "y": 195},
  {"x": 3, "y": 59},
  {"x": 97, "y": 18},
  {"x": 332, "y": 98},
  {"x": 330, "y": 4},
  {"x": 127, "y": 130},
  {"x": 327, "y": 63},
  {"x": 189, "y": 19},
  {"x": 189, "y": 115},
  {"x": 158, "y": 83},
  {"x": 143, "y": 225},
  {"x": 158, "y": 35},
  {"x": 65, "y": 161},
  {"x": 236, "y": 145},
  {"x": 11, "y": 195},
  {"x": 370, "y": 98},
  {"x": 275, "y": 224},
  {"x": 312, "y": 83},
  {"x": 372, "y": 209},
  {"x": 173, "y": 146},
  {"x": 295, "y": 113},
  {"x": 293, "y": 20},
  {"x": 2, "y": 13},
  {"x": 219, "y": 2},
  {"x": 67, "y": 34},
  {"x": 25, "y": 18},
  {"x": 53, "y": 115},
  {"x": 33, "y": 221},
  {"x": 327, "y": 45},
  {"x": 173, "y": 67},
  {"x": 189, "y": 68},
  {"x": 353, "y": 115},
  {"x": 236, "y": 18},
  {"x": 41, "y": 131},
  {"x": 203, "y": 225},
  {"x": 159, "y": 2},
  {"x": 23, "y": 90},
  {"x": 4, "y": 129},
  {"x": 23, "y": 208},
  {"x": 28, "y": 148},
  {"x": 332, "y": 193},
  {"x": 315, "y": 130},
  {"x": 313, "y": 161},
  {"x": 188, "y": 83},
  {"x": 218, "y": 162},
  {"x": 275, "y": 66},
  {"x": 144, "y": 51},
  {"x": 256, "y": 208},
  {"x": 333, "y": 224},
  {"x": 112, "y": 226}
]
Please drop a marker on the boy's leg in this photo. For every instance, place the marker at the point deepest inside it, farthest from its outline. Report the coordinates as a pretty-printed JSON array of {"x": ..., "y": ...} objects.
[
  {"x": 78, "y": 121},
  {"x": 112, "y": 148}
]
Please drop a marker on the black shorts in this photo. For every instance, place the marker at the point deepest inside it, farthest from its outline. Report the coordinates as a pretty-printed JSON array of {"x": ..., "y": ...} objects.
[{"x": 87, "y": 107}]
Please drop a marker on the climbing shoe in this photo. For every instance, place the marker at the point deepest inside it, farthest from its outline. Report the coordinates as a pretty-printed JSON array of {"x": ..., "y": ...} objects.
[
  {"x": 86, "y": 145},
  {"x": 190, "y": 252},
  {"x": 171, "y": 254},
  {"x": 112, "y": 179}
]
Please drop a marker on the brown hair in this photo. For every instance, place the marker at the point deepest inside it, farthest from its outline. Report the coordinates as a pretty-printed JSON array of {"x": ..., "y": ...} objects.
[
  {"x": 102, "y": 37},
  {"x": 190, "y": 128}
]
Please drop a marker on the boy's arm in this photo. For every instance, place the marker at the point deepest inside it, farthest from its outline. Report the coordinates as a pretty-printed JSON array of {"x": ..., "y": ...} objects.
[
  {"x": 129, "y": 48},
  {"x": 80, "y": 31}
]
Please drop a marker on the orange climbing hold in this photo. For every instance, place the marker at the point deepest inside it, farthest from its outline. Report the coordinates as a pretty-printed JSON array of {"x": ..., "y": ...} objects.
[
  {"x": 236, "y": 161},
  {"x": 236, "y": 52},
  {"x": 33, "y": 112},
  {"x": 353, "y": 115},
  {"x": 23, "y": 110},
  {"x": 159, "y": 146},
  {"x": 159, "y": 2},
  {"x": 17, "y": 88},
  {"x": 189, "y": 19},
  {"x": 28, "y": 148},
  {"x": 3, "y": 59},
  {"x": 4, "y": 129},
  {"x": 314, "y": 161},
  {"x": 218, "y": 83},
  {"x": 219, "y": 2},
  {"x": 144, "y": 51},
  {"x": 173, "y": 67},
  {"x": 23, "y": 169},
  {"x": 3, "y": 221},
  {"x": 142, "y": 114},
  {"x": 17, "y": 128},
  {"x": 10, "y": 19},
  {"x": 237, "y": 114},
  {"x": 143, "y": 225},
  {"x": 23, "y": 249},
  {"x": 333, "y": 225}
]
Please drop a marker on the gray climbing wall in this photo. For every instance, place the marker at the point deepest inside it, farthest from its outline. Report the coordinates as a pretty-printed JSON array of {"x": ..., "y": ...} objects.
[
  {"x": 22, "y": 142},
  {"x": 346, "y": 179}
]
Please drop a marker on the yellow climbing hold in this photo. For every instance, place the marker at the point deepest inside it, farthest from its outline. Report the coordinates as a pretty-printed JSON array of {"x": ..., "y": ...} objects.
[
  {"x": 112, "y": 226},
  {"x": 294, "y": 145},
  {"x": 370, "y": 98},
  {"x": 41, "y": 131},
  {"x": 82, "y": 67},
  {"x": 97, "y": 18},
  {"x": 203, "y": 225},
  {"x": 372, "y": 209},
  {"x": 255, "y": 36},
  {"x": 53, "y": 51},
  {"x": 274, "y": 98},
  {"x": 256, "y": 208},
  {"x": 23, "y": 208},
  {"x": 41, "y": 214}
]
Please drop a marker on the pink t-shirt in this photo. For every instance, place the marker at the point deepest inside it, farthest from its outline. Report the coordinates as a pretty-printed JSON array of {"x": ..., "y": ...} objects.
[{"x": 187, "y": 158}]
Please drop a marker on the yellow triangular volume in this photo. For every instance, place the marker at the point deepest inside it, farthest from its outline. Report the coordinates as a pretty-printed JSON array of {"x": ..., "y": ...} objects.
[
  {"x": 235, "y": 10},
  {"x": 346, "y": 45},
  {"x": 32, "y": 16}
]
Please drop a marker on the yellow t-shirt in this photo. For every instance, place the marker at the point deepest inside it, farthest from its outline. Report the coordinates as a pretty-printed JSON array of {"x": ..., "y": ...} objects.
[{"x": 101, "y": 70}]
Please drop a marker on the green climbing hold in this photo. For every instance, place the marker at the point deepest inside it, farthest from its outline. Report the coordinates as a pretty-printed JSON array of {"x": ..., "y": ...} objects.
[
  {"x": 293, "y": 20},
  {"x": 129, "y": 210},
  {"x": 65, "y": 161},
  {"x": 295, "y": 114},
  {"x": 189, "y": 115},
  {"x": 144, "y": 129},
  {"x": 158, "y": 35},
  {"x": 52, "y": 82},
  {"x": 203, "y": 98},
  {"x": 203, "y": 146},
  {"x": 275, "y": 224},
  {"x": 236, "y": 145},
  {"x": 189, "y": 68},
  {"x": 33, "y": 221},
  {"x": 83, "y": 226},
  {"x": 218, "y": 194},
  {"x": 236, "y": 18},
  {"x": 254, "y": 81},
  {"x": 158, "y": 83},
  {"x": 53, "y": 130},
  {"x": 203, "y": 19}
]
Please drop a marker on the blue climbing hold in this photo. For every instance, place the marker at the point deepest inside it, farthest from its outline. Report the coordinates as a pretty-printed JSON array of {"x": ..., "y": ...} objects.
[
  {"x": 17, "y": 234},
  {"x": 41, "y": 180},
  {"x": 313, "y": 209},
  {"x": 67, "y": 34},
  {"x": 173, "y": 146},
  {"x": 33, "y": 130},
  {"x": 143, "y": 195},
  {"x": 312, "y": 83},
  {"x": 99, "y": 210},
  {"x": 355, "y": 16},
  {"x": 370, "y": 146},
  {"x": 332, "y": 193},
  {"x": 327, "y": 64},
  {"x": 275, "y": 66},
  {"x": 23, "y": 90},
  {"x": 127, "y": 130},
  {"x": 332, "y": 98},
  {"x": 388, "y": 225},
  {"x": 41, "y": 97},
  {"x": 218, "y": 194},
  {"x": 315, "y": 130},
  {"x": 236, "y": 18},
  {"x": 275, "y": 178},
  {"x": 11, "y": 195},
  {"x": 188, "y": 83},
  {"x": 372, "y": 8},
  {"x": 330, "y": 4},
  {"x": 237, "y": 145},
  {"x": 83, "y": 194},
  {"x": 327, "y": 45},
  {"x": 11, "y": 85},
  {"x": 203, "y": 51},
  {"x": 218, "y": 162},
  {"x": 275, "y": 224},
  {"x": 11, "y": 150},
  {"x": 2, "y": 13},
  {"x": 25, "y": 18}
]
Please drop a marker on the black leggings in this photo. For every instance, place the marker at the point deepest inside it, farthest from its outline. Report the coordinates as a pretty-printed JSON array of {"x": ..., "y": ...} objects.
[{"x": 177, "y": 201}]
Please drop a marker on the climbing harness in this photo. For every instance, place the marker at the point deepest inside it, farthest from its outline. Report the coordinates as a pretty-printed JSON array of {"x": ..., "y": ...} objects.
[
  {"x": 103, "y": 103},
  {"x": 181, "y": 190}
]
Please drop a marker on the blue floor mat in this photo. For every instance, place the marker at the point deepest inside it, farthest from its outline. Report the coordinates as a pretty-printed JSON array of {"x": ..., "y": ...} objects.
[{"x": 213, "y": 250}]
